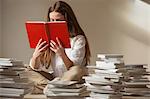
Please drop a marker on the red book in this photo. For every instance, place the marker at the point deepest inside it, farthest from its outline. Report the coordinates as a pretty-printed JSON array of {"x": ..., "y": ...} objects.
[{"x": 47, "y": 31}]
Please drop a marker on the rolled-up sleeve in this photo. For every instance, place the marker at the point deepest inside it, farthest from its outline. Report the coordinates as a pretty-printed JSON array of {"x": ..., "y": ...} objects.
[{"x": 77, "y": 52}]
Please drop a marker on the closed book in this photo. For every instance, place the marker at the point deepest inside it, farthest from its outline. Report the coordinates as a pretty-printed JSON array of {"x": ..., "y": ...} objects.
[
  {"x": 109, "y": 56},
  {"x": 76, "y": 90},
  {"x": 61, "y": 83}
]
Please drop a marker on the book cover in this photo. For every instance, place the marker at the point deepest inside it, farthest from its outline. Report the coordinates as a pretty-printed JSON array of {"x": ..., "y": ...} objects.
[{"x": 47, "y": 31}]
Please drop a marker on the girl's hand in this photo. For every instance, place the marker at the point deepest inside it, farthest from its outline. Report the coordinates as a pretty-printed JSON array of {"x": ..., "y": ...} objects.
[
  {"x": 57, "y": 48},
  {"x": 40, "y": 48}
]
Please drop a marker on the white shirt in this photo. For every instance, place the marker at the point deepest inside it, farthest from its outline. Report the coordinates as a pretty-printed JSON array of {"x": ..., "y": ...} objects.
[{"x": 76, "y": 54}]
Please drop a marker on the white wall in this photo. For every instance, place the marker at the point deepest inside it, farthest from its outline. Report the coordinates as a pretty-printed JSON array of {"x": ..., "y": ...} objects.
[
  {"x": 0, "y": 28},
  {"x": 110, "y": 26},
  {"x": 16, "y": 12},
  {"x": 148, "y": 27}
]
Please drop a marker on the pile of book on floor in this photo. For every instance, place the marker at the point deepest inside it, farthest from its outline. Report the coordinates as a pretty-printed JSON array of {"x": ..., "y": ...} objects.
[
  {"x": 103, "y": 79},
  {"x": 59, "y": 88},
  {"x": 135, "y": 81},
  {"x": 14, "y": 81}
]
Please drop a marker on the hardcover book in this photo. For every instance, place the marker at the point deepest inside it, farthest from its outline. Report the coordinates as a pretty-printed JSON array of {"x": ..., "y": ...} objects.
[{"x": 47, "y": 31}]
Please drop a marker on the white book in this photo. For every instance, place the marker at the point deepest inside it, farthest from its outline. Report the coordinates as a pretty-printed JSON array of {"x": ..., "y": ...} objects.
[
  {"x": 136, "y": 97},
  {"x": 108, "y": 74},
  {"x": 74, "y": 86},
  {"x": 11, "y": 91},
  {"x": 97, "y": 96},
  {"x": 136, "y": 83},
  {"x": 6, "y": 59},
  {"x": 23, "y": 85},
  {"x": 7, "y": 81},
  {"x": 109, "y": 56},
  {"x": 104, "y": 65},
  {"x": 96, "y": 79},
  {"x": 104, "y": 96},
  {"x": 12, "y": 95},
  {"x": 10, "y": 61},
  {"x": 107, "y": 87},
  {"x": 62, "y": 94},
  {"x": 136, "y": 89},
  {"x": 51, "y": 94},
  {"x": 15, "y": 79},
  {"x": 137, "y": 66},
  {"x": 68, "y": 90},
  {"x": 100, "y": 83},
  {"x": 108, "y": 65},
  {"x": 94, "y": 67},
  {"x": 11, "y": 72},
  {"x": 108, "y": 71},
  {"x": 113, "y": 75},
  {"x": 100, "y": 91},
  {"x": 114, "y": 60},
  {"x": 19, "y": 63},
  {"x": 20, "y": 91},
  {"x": 3, "y": 69},
  {"x": 9, "y": 76},
  {"x": 61, "y": 83}
]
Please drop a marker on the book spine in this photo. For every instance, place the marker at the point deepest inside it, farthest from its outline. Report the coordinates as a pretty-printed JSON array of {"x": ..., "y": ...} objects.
[{"x": 47, "y": 33}]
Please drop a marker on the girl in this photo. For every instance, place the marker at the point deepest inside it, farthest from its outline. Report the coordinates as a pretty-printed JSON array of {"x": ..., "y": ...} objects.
[{"x": 48, "y": 63}]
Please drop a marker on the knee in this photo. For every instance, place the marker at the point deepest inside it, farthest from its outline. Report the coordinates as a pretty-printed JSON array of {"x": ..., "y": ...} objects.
[
  {"x": 74, "y": 73},
  {"x": 77, "y": 71},
  {"x": 82, "y": 70}
]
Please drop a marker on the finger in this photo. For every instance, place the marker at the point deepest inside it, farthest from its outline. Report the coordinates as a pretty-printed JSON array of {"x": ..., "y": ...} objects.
[
  {"x": 58, "y": 42},
  {"x": 55, "y": 45},
  {"x": 42, "y": 44},
  {"x": 40, "y": 40},
  {"x": 52, "y": 49},
  {"x": 44, "y": 48},
  {"x": 52, "y": 45}
]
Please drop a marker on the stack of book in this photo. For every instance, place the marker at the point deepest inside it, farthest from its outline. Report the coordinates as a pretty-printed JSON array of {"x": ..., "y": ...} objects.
[
  {"x": 59, "y": 88},
  {"x": 14, "y": 81},
  {"x": 103, "y": 80},
  {"x": 135, "y": 80}
]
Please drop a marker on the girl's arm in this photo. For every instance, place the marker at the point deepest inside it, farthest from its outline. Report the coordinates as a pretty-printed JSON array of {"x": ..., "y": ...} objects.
[
  {"x": 68, "y": 63},
  {"x": 34, "y": 63}
]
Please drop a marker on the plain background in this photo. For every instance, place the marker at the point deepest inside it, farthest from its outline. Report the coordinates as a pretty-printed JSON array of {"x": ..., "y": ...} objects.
[
  {"x": 0, "y": 27},
  {"x": 111, "y": 26}
]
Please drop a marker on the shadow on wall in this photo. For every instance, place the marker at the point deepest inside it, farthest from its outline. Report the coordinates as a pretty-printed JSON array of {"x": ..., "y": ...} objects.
[
  {"x": 132, "y": 30},
  {"x": 131, "y": 18}
]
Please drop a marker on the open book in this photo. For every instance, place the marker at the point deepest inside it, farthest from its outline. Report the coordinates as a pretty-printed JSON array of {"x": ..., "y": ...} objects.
[{"x": 47, "y": 31}]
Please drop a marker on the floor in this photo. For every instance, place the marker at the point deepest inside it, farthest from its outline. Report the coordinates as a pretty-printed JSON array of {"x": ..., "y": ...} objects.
[{"x": 39, "y": 96}]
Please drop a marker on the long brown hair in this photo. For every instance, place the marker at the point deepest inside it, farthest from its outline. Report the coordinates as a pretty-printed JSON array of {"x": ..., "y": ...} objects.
[
  {"x": 46, "y": 57},
  {"x": 73, "y": 25}
]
